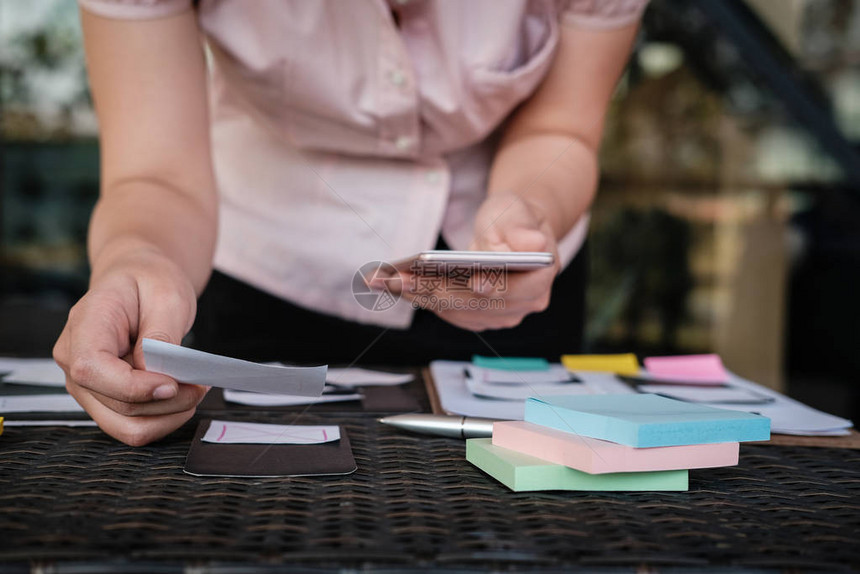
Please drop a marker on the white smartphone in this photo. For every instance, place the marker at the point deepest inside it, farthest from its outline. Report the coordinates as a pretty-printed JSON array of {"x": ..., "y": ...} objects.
[{"x": 447, "y": 261}]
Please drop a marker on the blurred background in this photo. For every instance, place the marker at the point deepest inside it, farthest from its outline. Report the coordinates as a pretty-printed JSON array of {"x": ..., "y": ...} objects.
[{"x": 727, "y": 221}]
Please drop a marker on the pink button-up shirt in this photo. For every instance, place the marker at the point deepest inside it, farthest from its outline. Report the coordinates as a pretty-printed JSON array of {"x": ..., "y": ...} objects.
[{"x": 341, "y": 135}]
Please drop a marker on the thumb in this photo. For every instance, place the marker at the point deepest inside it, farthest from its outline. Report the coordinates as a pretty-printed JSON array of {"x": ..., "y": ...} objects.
[
  {"x": 490, "y": 240},
  {"x": 163, "y": 321},
  {"x": 525, "y": 239}
]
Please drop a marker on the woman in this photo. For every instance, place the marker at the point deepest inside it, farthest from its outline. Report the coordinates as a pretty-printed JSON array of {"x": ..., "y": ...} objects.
[{"x": 317, "y": 137}]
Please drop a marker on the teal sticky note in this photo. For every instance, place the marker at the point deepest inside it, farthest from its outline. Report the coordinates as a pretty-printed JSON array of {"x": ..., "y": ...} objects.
[
  {"x": 522, "y": 473},
  {"x": 511, "y": 363},
  {"x": 644, "y": 420}
]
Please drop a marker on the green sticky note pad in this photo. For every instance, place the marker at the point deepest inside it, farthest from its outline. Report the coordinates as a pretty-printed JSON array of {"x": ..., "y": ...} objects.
[
  {"x": 511, "y": 363},
  {"x": 524, "y": 473}
]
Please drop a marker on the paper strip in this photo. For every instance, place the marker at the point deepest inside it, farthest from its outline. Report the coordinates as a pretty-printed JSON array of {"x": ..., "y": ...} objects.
[{"x": 192, "y": 366}]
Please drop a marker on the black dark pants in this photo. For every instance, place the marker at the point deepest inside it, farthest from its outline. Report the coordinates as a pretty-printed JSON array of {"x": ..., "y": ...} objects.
[{"x": 237, "y": 320}]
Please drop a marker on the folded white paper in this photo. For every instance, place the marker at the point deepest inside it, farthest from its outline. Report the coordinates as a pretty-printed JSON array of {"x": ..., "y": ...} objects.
[
  {"x": 44, "y": 372},
  {"x": 228, "y": 432},
  {"x": 192, "y": 366},
  {"x": 357, "y": 377},
  {"x": 269, "y": 400},
  {"x": 523, "y": 391},
  {"x": 555, "y": 374},
  {"x": 56, "y": 423},
  {"x": 39, "y": 404},
  {"x": 711, "y": 395}
]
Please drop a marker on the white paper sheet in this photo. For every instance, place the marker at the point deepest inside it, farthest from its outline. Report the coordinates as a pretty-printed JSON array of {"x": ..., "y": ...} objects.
[
  {"x": 229, "y": 432},
  {"x": 43, "y": 372},
  {"x": 712, "y": 395},
  {"x": 522, "y": 391},
  {"x": 252, "y": 399},
  {"x": 357, "y": 377},
  {"x": 787, "y": 416},
  {"x": 836, "y": 432},
  {"x": 39, "y": 404},
  {"x": 54, "y": 423},
  {"x": 555, "y": 374},
  {"x": 192, "y": 366},
  {"x": 455, "y": 398}
]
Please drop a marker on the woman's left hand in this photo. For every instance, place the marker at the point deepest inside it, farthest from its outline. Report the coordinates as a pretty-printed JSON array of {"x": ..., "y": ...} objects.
[{"x": 490, "y": 300}]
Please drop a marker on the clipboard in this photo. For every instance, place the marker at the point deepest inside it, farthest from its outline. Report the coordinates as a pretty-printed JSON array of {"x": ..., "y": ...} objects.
[
  {"x": 432, "y": 395},
  {"x": 851, "y": 441}
]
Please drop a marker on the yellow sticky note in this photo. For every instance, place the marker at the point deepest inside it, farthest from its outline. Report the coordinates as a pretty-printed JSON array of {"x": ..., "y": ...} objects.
[
  {"x": 1, "y": 425},
  {"x": 623, "y": 364}
]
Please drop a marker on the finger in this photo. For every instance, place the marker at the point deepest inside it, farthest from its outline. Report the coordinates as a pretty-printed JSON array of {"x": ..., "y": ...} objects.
[
  {"x": 395, "y": 284},
  {"x": 98, "y": 335},
  {"x": 490, "y": 240},
  {"x": 525, "y": 239},
  {"x": 481, "y": 320},
  {"x": 133, "y": 431},
  {"x": 188, "y": 397},
  {"x": 523, "y": 285},
  {"x": 60, "y": 351},
  {"x": 458, "y": 286},
  {"x": 165, "y": 315},
  {"x": 439, "y": 299}
]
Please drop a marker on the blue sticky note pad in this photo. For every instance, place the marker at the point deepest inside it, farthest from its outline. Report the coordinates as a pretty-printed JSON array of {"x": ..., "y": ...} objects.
[
  {"x": 643, "y": 420},
  {"x": 511, "y": 363}
]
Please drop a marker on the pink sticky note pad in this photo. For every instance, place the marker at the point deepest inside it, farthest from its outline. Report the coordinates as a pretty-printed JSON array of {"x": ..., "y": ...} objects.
[
  {"x": 697, "y": 368},
  {"x": 600, "y": 457}
]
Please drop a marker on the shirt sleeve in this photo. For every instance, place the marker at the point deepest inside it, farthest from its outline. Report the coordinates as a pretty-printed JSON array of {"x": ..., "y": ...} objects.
[
  {"x": 602, "y": 14},
  {"x": 135, "y": 9}
]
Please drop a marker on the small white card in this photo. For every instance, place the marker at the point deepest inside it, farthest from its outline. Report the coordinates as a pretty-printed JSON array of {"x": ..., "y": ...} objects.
[
  {"x": 39, "y": 404},
  {"x": 231, "y": 432},
  {"x": 44, "y": 372}
]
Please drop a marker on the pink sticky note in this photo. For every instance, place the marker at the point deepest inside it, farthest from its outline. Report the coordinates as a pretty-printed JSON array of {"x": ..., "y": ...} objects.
[
  {"x": 599, "y": 456},
  {"x": 695, "y": 368}
]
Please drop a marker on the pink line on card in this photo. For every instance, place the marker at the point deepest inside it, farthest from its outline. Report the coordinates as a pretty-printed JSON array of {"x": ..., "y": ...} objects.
[{"x": 223, "y": 432}]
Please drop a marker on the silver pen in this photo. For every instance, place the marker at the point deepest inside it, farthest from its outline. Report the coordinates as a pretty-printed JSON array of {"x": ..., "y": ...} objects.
[{"x": 454, "y": 426}]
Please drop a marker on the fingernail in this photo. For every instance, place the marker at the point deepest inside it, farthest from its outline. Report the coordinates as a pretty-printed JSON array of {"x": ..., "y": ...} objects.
[{"x": 164, "y": 392}]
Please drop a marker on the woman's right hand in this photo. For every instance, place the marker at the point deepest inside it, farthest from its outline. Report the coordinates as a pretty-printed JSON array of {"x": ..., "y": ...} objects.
[
  {"x": 144, "y": 295},
  {"x": 153, "y": 231}
]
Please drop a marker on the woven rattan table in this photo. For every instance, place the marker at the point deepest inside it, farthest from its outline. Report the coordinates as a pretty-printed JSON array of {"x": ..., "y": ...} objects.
[{"x": 74, "y": 500}]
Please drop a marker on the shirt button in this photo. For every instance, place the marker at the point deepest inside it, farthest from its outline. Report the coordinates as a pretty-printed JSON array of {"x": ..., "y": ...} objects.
[
  {"x": 433, "y": 177},
  {"x": 401, "y": 2},
  {"x": 403, "y": 143},
  {"x": 397, "y": 77}
]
